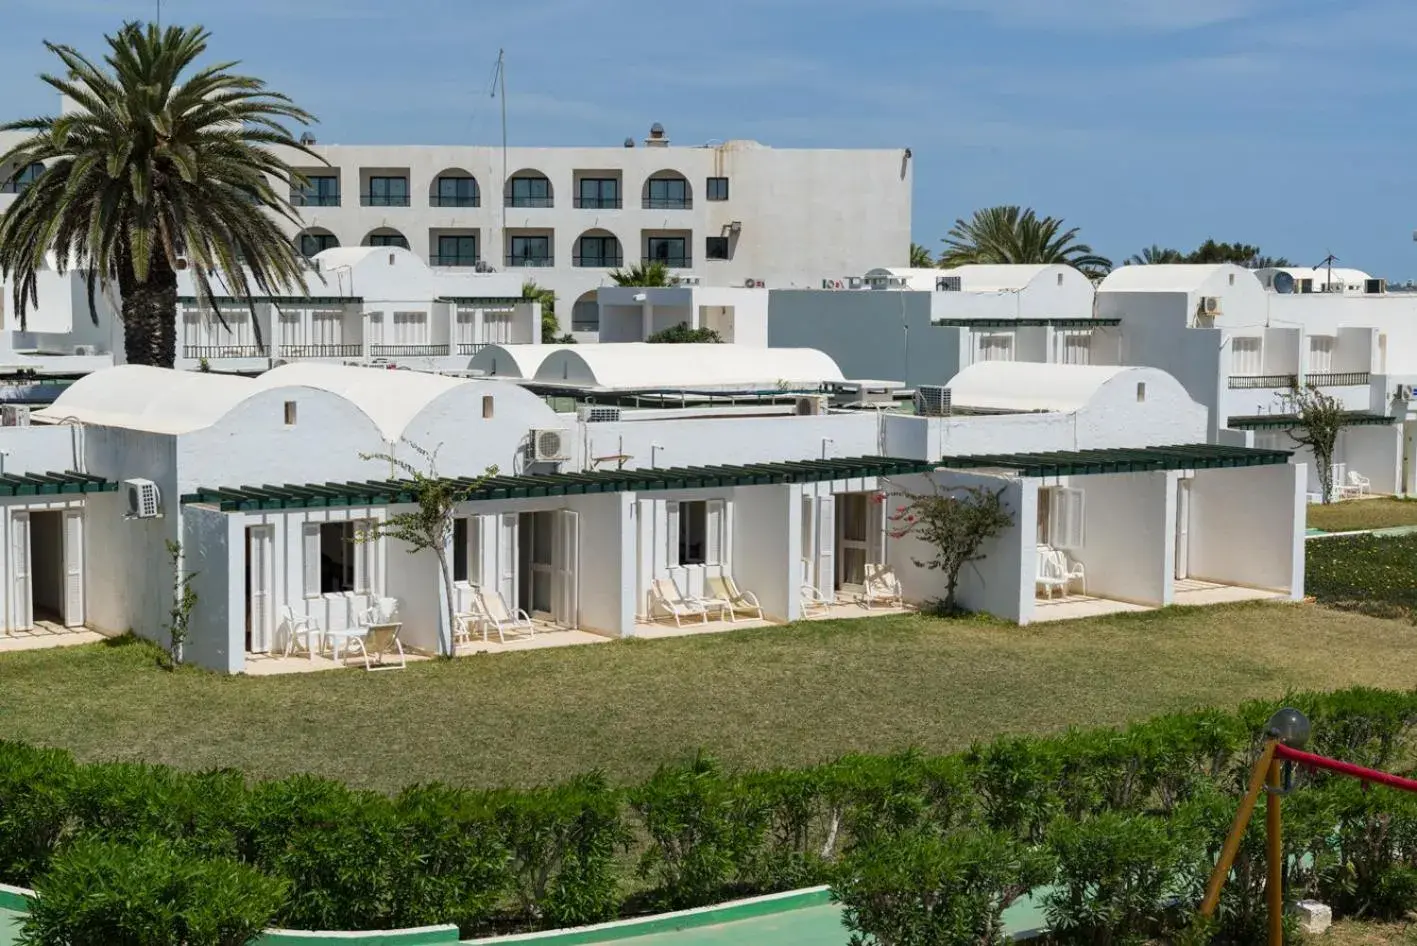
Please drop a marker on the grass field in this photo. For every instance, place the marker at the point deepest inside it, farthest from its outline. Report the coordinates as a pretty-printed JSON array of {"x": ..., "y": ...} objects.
[
  {"x": 1361, "y": 514},
  {"x": 769, "y": 697},
  {"x": 1375, "y": 575}
]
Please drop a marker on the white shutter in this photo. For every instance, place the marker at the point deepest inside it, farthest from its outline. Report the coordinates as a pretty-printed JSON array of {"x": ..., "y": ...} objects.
[
  {"x": 258, "y": 552},
  {"x": 826, "y": 546},
  {"x": 566, "y": 563},
  {"x": 875, "y": 531},
  {"x": 713, "y": 527},
  {"x": 487, "y": 533},
  {"x": 364, "y": 552},
  {"x": 73, "y": 568},
  {"x": 310, "y": 538},
  {"x": 671, "y": 533},
  {"x": 507, "y": 558},
  {"x": 22, "y": 607},
  {"x": 1065, "y": 518}
]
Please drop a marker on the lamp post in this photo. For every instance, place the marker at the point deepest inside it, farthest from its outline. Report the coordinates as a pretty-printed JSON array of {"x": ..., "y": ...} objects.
[
  {"x": 654, "y": 449},
  {"x": 825, "y": 442}
]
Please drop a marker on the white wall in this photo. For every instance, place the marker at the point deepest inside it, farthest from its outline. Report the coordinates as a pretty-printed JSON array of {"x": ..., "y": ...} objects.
[
  {"x": 1129, "y": 535},
  {"x": 1002, "y": 583},
  {"x": 42, "y": 448},
  {"x": 1247, "y": 527},
  {"x": 607, "y": 562},
  {"x": 733, "y": 439},
  {"x": 1374, "y": 452},
  {"x": 214, "y": 550},
  {"x": 767, "y": 547}
]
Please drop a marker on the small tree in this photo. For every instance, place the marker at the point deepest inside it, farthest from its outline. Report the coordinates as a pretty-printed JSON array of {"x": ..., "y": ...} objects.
[
  {"x": 534, "y": 293},
  {"x": 683, "y": 335},
  {"x": 956, "y": 521},
  {"x": 184, "y": 599},
  {"x": 1319, "y": 419},
  {"x": 430, "y": 525}
]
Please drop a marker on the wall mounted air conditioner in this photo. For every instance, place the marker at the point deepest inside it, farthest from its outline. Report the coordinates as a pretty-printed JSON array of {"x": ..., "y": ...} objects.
[
  {"x": 810, "y": 405},
  {"x": 932, "y": 400},
  {"x": 86, "y": 349},
  {"x": 1404, "y": 392},
  {"x": 144, "y": 501},
  {"x": 549, "y": 445},
  {"x": 597, "y": 414},
  {"x": 1374, "y": 287},
  {"x": 14, "y": 415},
  {"x": 1210, "y": 305}
]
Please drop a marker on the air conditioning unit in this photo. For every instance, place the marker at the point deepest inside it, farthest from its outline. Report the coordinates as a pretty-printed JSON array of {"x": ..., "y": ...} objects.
[
  {"x": 144, "y": 501},
  {"x": 749, "y": 283},
  {"x": 810, "y": 405},
  {"x": 932, "y": 400},
  {"x": 597, "y": 414},
  {"x": 947, "y": 284},
  {"x": 86, "y": 349},
  {"x": 1374, "y": 287},
  {"x": 1210, "y": 305},
  {"x": 548, "y": 445},
  {"x": 1404, "y": 392},
  {"x": 14, "y": 415}
]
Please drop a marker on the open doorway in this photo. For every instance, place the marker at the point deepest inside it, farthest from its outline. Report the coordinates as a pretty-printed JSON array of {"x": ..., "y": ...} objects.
[
  {"x": 547, "y": 554},
  {"x": 1183, "y": 529},
  {"x": 859, "y": 538},
  {"x": 259, "y": 618},
  {"x": 47, "y": 555}
]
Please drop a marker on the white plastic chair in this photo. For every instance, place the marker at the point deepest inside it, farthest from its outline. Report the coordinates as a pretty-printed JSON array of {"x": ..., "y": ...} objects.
[
  {"x": 298, "y": 627},
  {"x": 1357, "y": 485},
  {"x": 726, "y": 589},
  {"x": 1050, "y": 576},
  {"x": 502, "y": 619},
  {"x": 882, "y": 586},
  {"x": 813, "y": 600},
  {"x": 665, "y": 600},
  {"x": 1073, "y": 571}
]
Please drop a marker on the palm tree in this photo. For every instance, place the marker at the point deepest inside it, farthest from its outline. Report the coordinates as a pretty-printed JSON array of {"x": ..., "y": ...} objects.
[
  {"x": 1013, "y": 235},
  {"x": 547, "y": 297},
  {"x": 920, "y": 257},
  {"x": 162, "y": 169},
  {"x": 1154, "y": 255},
  {"x": 648, "y": 274}
]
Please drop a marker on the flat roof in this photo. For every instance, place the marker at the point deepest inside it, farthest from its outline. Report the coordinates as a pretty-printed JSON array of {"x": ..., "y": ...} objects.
[
  {"x": 388, "y": 492},
  {"x": 1199, "y": 456}
]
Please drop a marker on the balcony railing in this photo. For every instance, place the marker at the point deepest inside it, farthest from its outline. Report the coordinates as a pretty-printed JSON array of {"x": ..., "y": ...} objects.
[
  {"x": 314, "y": 200},
  {"x": 383, "y": 200},
  {"x": 1275, "y": 381},
  {"x": 1337, "y": 379},
  {"x": 407, "y": 351},
  {"x": 600, "y": 260},
  {"x": 530, "y": 261},
  {"x": 471, "y": 348},
  {"x": 436, "y": 201},
  {"x": 673, "y": 262},
  {"x": 457, "y": 259},
  {"x": 668, "y": 203},
  {"x": 322, "y": 351},
  {"x": 598, "y": 203},
  {"x": 223, "y": 351},
  {"x": 530, "y": 201}
]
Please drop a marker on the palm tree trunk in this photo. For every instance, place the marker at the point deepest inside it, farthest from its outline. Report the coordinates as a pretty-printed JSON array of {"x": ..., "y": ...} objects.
[{"x": 150, "y": 317}]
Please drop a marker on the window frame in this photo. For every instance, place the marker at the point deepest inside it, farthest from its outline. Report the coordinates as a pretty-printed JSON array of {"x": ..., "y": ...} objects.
[
  {"x": 470, "y": 548},
  {"x": 458, "y": 256},
  {"x": 716, "y": 241},
  {"x": 356, "y": 565},
  {"x": 321, "y": 238},
  {"x": 682, "y": 260},
  {"x": 456, "y": 199},
  {"x": 716, "y": 189},
  {"x": 542, "y": 259},
  {"x": 666, "y": 200},
  {"x": 530, "y": 198},
  {"x": 599, "y": 201},
  {"x": 383, "y": 239}
]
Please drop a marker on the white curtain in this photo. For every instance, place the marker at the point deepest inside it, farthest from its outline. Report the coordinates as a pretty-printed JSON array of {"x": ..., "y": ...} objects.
[{"x": 1246, "y": 357}]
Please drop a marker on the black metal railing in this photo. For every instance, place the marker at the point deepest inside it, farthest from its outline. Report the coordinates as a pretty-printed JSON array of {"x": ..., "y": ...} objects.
[
  {"x": 583, "y": 326},
  {"x": 598, "y": 203},
  {"x": 530, "y": 201},
  {"x": 1245, "y": 382},
  {"x": 530, "y": 261},
  {"x": 668, "y": 203},
  {"x": 407, "y": 351},
  {"x": 383, "y": 200},
  {"x": 1337, "y": 379},
  {"x": 314, "y": 200},
  {"x": 673, "y": 262},
  {"x": 599, "y": 260},
  {"x": 322, "y": 351},
  {"x": 437, "y": 201},
  {"x": 471, "y": 348},
  {"x": 456, "y": 259},
  {"x": 222, "y": 351}
]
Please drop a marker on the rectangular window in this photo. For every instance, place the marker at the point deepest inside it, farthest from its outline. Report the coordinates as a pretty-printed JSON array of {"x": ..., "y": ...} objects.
[
  {"x": 698, "y": 532},
  {"x": 1064, "y": 511},
  {"x": 456, "y": 251},
  {"x": 716, "y": 247},
  {"x": 343, "y": 559},
  {"x": 290, "y": 413},
  {"x": 456, "y": 192},
  {"x": 410, "y": 328},
  {"x": 597, "y": 251},
  {"x": 1320, "y": 354},
  {"x": 667, "y": 193},
  {"x": 320, "y": 191},
  {"x": 693, "y": 527},
  {"x": 388, "y": 239},
  {"x": 671, "y": 251},
  {"x": 717, "y": 189},
  {"x": 1246, "y": 357},
  {"x": 530, "y": 251},
  {"x": 1075, "y": 348},
  {"x": 467, "y": 564},
  {"x": 598, "y": 193},
  {"x": 530, "y": 192},
  {"x": 996, "y": 346},
  {"x": 387, "y": 192}
]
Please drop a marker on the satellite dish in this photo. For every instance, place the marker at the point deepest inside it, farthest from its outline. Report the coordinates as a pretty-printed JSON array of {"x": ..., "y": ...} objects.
[{"x": 1283, "y": 282}]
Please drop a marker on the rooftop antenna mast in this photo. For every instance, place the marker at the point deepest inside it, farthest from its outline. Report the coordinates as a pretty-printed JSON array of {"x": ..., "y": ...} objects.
[
  {"x": 159, "y": 14},
  {"x": 499, "y": 84},
  {"x": 1328, "y": 261}
]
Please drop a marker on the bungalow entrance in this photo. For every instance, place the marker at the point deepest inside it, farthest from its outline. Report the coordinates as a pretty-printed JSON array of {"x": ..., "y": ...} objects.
[
  {"x": 538, "y": 559},
  {"x": 47, "y": 567}
]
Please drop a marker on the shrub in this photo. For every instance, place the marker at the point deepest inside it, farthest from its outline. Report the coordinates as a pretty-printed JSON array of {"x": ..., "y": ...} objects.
[
  {"x": 920, "y": 888},
  {"x": 793, "y": 849},
  {"x": 35, "y": 790},
  {"x": 131, "y": 802},
  {"x": 1017, "y": 780},
  {"x": 1115, "y": 874},
  {"x": 150, "y": 895},
  {"x": 1372, "y": 870},
  {"x": 461, "y": 859}
]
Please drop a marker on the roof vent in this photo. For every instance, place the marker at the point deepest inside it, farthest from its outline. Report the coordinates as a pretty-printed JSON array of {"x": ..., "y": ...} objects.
[
  {"x": 629, "y": 142},
  {"x": 307, "y": 139},
  {"x": 657, "y": 138}
]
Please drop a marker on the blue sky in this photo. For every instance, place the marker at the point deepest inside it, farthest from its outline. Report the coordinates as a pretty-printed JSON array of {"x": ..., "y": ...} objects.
[{"x": 1276, "y": 122}]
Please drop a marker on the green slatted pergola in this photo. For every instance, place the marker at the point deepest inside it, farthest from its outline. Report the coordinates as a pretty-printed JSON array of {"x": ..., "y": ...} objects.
[
  {"x": 1200, "y": 456},
  {"x": 1289, "y": 421},
  {"x": 388, "y": 492},
  {"x": 1027, "y": 323},
  {"x": 50, "y": 484}
]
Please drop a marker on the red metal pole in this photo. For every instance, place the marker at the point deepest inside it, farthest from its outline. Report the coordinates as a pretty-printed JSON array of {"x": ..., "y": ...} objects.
[{"x": 1274, "y": 845}]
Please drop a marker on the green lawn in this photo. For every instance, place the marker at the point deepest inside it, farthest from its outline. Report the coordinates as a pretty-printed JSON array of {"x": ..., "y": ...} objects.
[
  {"x": 1354, "y": 515},
  {"x": 768, "y": 697},
  {"x": 1373, "y": 574}
]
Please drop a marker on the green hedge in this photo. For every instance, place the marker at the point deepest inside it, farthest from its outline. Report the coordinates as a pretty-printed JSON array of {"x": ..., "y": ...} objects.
[{"x": 1120, "y": 825}]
